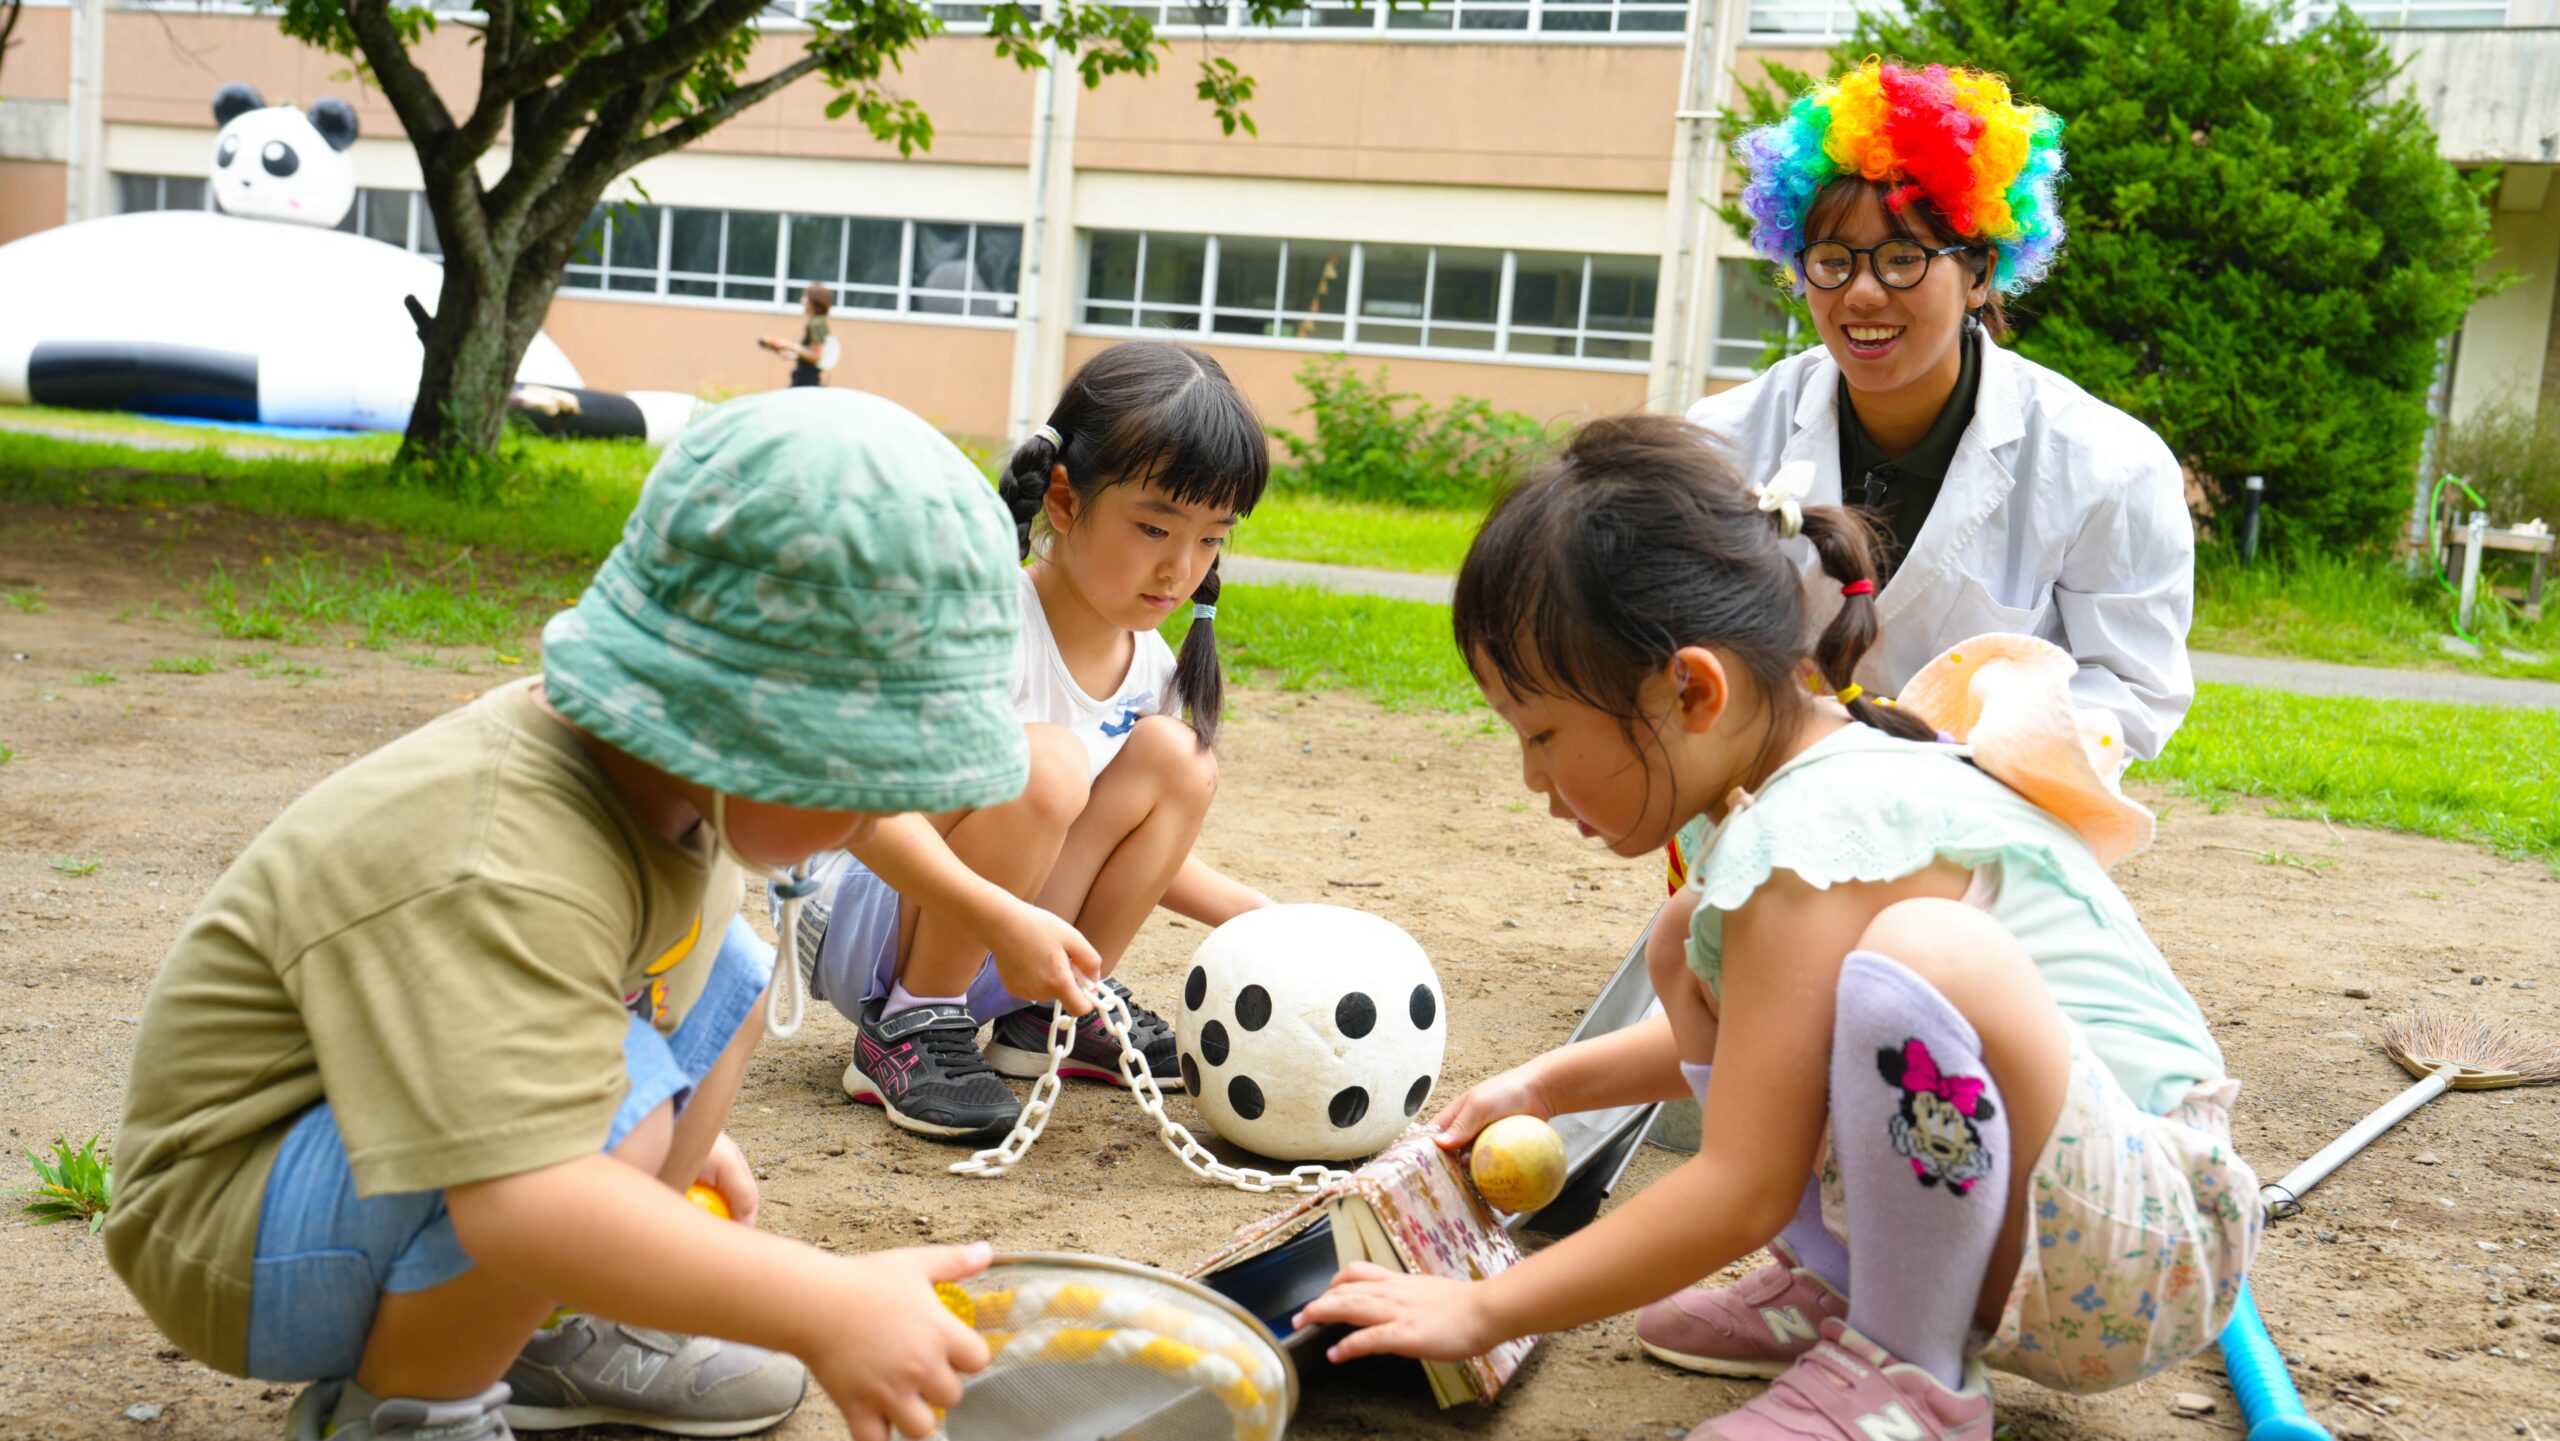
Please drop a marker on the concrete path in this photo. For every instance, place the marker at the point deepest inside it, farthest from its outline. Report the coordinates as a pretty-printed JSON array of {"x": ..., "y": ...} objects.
[{"x": 2305, "y": 677}]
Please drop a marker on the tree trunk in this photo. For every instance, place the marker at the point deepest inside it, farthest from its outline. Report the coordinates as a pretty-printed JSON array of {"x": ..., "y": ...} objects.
[{"x": 470, "y": 362}]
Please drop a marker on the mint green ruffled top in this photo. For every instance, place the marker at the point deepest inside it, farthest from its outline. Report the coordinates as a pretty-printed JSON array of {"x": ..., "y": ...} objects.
[{"x": 1861, "y": 805}]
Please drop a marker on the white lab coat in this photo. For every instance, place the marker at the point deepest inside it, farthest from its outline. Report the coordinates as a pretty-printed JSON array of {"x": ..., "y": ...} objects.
[{"x": 2061, "y": 517}]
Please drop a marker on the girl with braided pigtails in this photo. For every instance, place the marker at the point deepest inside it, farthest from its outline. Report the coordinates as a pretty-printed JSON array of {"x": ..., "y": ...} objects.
[
  {"x": 1943, "y": 1050},
  {"x": 943, "y": 924}
]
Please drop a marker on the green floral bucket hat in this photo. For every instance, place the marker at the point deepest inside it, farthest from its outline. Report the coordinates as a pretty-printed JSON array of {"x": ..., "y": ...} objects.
[{"x": 814, "y": 604}]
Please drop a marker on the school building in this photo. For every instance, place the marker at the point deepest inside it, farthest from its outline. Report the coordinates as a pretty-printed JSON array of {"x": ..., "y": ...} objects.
[{"x": 1487, "y": 197}]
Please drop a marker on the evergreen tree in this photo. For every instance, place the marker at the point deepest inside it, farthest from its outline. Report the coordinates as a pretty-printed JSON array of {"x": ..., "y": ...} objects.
[{"x": 2266, "y": 251}]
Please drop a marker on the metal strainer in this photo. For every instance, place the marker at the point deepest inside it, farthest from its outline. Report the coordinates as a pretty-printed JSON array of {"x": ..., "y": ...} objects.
[{"x": 1086, "y": 1348}]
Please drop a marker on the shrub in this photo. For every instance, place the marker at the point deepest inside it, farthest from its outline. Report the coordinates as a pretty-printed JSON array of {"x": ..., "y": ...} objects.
[
  {"x": 1372, "y": 443},
  {"x": 2511, "y": 458},
  {"x": 2266, "y": 247}
]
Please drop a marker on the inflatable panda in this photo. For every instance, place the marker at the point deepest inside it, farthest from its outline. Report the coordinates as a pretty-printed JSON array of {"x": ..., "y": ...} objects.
[
  {"x": 235, "y": 316},
  {"x": 1310, "y": 1032}
]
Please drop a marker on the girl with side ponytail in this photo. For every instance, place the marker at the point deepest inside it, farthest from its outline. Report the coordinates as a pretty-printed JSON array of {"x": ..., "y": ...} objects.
[
  {"x": 1120, "y": 501},
  {"x": 1919, "y": 1016}
]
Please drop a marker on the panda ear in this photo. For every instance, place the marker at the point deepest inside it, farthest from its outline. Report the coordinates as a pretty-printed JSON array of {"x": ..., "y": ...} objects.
[
  {"x": 233, "y": 101},
  {"x": 336, "y": 122}
]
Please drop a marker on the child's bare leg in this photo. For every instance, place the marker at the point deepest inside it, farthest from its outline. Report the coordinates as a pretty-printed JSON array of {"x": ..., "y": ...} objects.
[
  {"x": 458, "y": 1338},
  {"x": 1015, "y": 845},
  {"x": 1134, "y": 835},
  {"x": 1949, "y": 1065}
]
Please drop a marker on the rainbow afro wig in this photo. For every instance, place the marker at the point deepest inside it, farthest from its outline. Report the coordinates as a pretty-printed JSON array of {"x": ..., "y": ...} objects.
[{"x": 1987, "y": 165}]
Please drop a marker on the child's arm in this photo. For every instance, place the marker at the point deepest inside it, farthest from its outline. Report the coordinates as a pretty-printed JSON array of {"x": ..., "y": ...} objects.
[
  {"x": 1207, "y": 895},
  {"x": 1040, "y": 956},
  {"x": 1630, "y": 1066},
  {"x": 1763, "y": 1122},
  {"x": 869, "y": 1327}
]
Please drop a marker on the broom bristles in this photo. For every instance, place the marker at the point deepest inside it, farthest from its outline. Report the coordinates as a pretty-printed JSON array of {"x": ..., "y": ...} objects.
[{"x": 2431, "y": 1036}]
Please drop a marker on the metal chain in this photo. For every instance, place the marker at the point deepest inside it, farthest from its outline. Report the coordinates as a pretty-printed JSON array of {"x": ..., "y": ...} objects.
[{"x": 1141, "y": 1081}]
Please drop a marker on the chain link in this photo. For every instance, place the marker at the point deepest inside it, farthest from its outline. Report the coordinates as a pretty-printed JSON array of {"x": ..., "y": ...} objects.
[{"x": 1141, "y": 1081}]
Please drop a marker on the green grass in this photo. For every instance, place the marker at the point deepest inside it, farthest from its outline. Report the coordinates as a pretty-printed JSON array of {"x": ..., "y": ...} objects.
[
  {"x": 29, "y": 600},
  {"x": 111, "y": 422},
  {"x": 71, "y": 1185},
  {"x": 2472, "y": 773},
  {"x": 2359, "y": 610},
  {"x": 183, "y": 665},
  {"x": 76, "y": 865},
  {"x": 97, "y": 677},
  {"x": 310, "y": 598},
  {"x": 1301, "y": 638},
  {"x": 1298, "y": 526}
]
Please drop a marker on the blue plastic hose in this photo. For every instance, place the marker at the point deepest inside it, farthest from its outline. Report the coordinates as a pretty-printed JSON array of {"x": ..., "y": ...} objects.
[{"x": 2268, "y": 1400}]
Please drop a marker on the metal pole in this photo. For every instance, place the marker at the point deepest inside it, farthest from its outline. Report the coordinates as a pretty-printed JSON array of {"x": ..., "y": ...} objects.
[
  {"x": 1684, "y": 307},
  {"x": 85, "y": 155},
  {"x": 2473, "y": 540},
  {"x": 2249, "y": 518},
  {"x": 1031, "y": 294}
]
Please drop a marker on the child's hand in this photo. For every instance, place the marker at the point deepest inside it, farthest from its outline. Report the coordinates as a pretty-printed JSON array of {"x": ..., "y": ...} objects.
[
  {"x": 1429, "y": 1317},
  {"x": 1516, "y": 1092},
  {"x": 726, "y": 1171},
  {"x": 893, "y": 1353},
  {"x": 1043, "y": 958}
]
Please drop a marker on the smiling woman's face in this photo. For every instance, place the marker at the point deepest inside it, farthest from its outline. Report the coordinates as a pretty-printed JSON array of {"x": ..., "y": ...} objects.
[{"x": 1887, "y": 339}]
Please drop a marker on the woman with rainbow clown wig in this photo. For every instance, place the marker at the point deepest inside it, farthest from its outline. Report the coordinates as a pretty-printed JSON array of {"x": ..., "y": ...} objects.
[{"x": 1907, "y": 202}]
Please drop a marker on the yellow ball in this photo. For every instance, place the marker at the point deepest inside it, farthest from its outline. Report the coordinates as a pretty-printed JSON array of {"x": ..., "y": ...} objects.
[
  {"x": 709, "y": 1199},
  {"x": 1518, "y": 1163}
]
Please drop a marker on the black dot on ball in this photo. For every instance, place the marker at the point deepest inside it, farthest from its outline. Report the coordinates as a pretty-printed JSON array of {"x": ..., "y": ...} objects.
[
  {"x": 1245, "y": 1097},
  {"x": 1191, "y": 1074},
  {"x": 1213, "y": 1043},
  {"x": 1349, "y": 1105},
  {"x": 1253, "y": 1008},
  {"x": 1414, "y": 1098},
  {"x": 1426, "y": 1008},
  {"x": 1355, "y": 1015},
  {"x": 1196, "y": 989}
]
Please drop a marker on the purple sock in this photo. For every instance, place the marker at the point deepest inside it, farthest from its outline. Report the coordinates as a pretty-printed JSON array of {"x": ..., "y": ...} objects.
[
  {"x": 1922, "y": 1137},
  {"x": 902, "y": 999},
  {"x": 1815, "y": 1248}
]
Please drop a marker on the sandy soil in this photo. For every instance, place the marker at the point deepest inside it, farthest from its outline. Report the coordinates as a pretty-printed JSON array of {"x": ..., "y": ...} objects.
[{"x": 2425, "y": 1279}]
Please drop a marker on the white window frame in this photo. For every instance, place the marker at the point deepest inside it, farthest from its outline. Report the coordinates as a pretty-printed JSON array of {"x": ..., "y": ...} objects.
[
  {"x": 1350, "y": 318},
  {"x": 905, "y": 292},
  {"x": 1719, "y": 366}
]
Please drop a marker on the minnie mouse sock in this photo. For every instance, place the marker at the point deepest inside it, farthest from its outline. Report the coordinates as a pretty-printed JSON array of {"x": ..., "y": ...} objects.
[{"x": 1923, "y": 1144}]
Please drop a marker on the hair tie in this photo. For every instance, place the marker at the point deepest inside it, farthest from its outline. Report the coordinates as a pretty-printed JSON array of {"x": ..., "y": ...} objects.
[
  {"x": 1783, "y": 496},
  {"x": 1050, "y": 433},
  {"x": 1859, "y": 587},
  {"x": 1850, "y": 693},
  {"x": 1204, "y": 612}
]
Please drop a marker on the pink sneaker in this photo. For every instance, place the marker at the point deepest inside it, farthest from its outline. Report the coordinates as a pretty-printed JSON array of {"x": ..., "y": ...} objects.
[
  {"x": 1848, "y": 1389},
  {"x": 1757, "y": 1326}
]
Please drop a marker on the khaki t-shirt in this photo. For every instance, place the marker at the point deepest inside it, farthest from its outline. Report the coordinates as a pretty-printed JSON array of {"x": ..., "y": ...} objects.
[{"x": 446, "y": 939}]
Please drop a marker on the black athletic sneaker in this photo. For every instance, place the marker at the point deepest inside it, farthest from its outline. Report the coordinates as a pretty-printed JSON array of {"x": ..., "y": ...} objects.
[
  {"x": 923, "y": 1067},
  {"x": 1020, "y": 1045}
]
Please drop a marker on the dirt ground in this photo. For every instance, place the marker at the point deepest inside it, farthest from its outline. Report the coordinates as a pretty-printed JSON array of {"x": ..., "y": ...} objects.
[{"x": 2425, "y": 1278}]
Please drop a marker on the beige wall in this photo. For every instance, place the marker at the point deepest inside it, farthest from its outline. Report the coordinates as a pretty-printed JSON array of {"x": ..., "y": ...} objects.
[
  {"x": 1268, "y": 377},
  {"x": 39, "y": 62},
  {"x": 2507, "y": 337},
  {"x": 31, "y": 197},
  {"x": 1584, "y": 117},
  {"x": 952, "y": 375}
]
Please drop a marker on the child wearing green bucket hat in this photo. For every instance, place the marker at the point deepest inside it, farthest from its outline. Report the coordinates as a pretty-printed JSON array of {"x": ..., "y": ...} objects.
[{"x": 445, "y": 1045}]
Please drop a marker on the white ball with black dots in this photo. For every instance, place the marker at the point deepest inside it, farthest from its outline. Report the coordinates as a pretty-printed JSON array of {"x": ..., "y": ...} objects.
[{"x": 1310, "y": 1033}]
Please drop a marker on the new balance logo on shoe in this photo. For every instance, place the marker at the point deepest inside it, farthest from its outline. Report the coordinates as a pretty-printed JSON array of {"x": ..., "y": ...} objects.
[
  {"x": 1893, "y": 1423},
  {"x": 633, "y": 1369},
  {"x": 1787, "y": 1324}
]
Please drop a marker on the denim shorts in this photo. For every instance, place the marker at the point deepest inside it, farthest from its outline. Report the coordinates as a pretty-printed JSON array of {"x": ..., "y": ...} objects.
[
  {"x": 858, "y": 961},
  {"x": 326, "y": 1256}
]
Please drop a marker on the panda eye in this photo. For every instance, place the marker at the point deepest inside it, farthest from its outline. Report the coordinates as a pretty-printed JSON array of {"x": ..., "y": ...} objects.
[
  {"x": 227, "y": 152},
  {"x": 279, "y": 159}
]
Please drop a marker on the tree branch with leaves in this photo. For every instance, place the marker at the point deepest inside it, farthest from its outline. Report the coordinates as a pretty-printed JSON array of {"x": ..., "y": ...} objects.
[{"x": 584, "y": 90}]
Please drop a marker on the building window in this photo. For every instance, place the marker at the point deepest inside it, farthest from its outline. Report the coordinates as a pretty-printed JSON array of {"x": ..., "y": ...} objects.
[
  {"x": 1540, "y": 307},
  {"x": 762, "y": 258},
  {"x": 136, "y": 193},
  {"x": 1751, "y": 318},
  {"x": 1477, "y": 19},
  {"x": 394, "y": 217},
  {"x": 2415, "y": 14},
  {"x": 1813, "y": 21}
]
